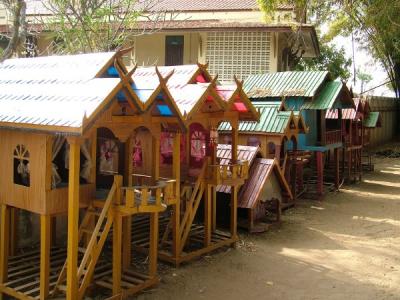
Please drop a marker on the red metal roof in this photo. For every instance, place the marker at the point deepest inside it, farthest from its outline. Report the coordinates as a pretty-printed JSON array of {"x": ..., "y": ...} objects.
[
  {"x": 259, "y": 172},
  {"x": 224, "y": 153},
  {"x": 347, "y": 113}
]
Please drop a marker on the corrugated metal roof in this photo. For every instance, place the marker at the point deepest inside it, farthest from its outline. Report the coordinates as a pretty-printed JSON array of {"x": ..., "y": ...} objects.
[
  {"x": 372, "y": 120},
  {"x": 347, "y": 113},
  {"x": 53, "y": 104},
  {"x": 181, "y": 74},
  {"x": 326, "y": 98},
  {"x": 294, "y": 83},
  {"x": 63, "y": 67},
  {"x": 259, "y": 172},
  {"x": 271, "y": 119},
  {"x": 35, "y": 7},
  {"x": 224, "y": 153}
]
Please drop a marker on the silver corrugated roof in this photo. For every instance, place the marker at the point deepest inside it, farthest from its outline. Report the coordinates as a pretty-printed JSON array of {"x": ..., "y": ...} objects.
[
  {"x": 53, "y": 104},
  {"x": 63, "y": 67},
  {"x": 278, "y": 84}
]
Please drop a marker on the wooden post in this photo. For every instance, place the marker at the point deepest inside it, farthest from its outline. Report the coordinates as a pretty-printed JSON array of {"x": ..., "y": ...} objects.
[
  {"x": 45, "y": 240},
  {"x": 156, "y": 157},
  {"x": 127, "y": 221},
  {"x": 234, "y": 191},
  {"x": 176, "y": 173},
  {"x": 73, "y": 219},
  {"x": 207, "y": 216},
  {"x": 320, "y": 173},
  {"x": 235, "y": 139},
  {"x": 14, "y": 219},
  {"x": 337, "y": 175},
  {"x": 278, "y": 154},
  {"x": 117, "y": 248},
  {"x": 154, "y": 216},
  {"x": 4, "y": 243},
  {"x": 214, "y": 208}
]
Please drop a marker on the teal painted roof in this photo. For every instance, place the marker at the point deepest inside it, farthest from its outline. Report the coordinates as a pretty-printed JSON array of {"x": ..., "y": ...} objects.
[
  {"x": 278, "y": 84},
  {"x": 326, "y": 98},
  {"x": 371, "y": 121},
  {"x": 271, "y": 119}
]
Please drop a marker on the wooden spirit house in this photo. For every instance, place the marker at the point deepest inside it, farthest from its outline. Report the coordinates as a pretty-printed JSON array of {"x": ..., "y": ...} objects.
[
  {"x": 67, "y": 125},
  {"x": 311, "y": 94},
  {"x": 185, "y": 231}
]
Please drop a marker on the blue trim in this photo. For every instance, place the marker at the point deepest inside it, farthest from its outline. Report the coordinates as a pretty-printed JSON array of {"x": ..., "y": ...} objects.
[
  {"x": 112, "y": 71},
  {"x": 164, "y": 110}
]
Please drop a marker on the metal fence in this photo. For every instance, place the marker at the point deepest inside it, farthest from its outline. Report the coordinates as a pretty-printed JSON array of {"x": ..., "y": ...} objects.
[{"x": 389, "y": 109}]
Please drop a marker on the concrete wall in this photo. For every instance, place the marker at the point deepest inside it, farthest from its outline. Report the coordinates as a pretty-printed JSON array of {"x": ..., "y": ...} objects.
[{"x": 389, "y": 109}]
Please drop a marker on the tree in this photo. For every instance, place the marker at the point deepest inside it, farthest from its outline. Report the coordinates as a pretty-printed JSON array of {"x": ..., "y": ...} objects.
[
  {"x": 98, "y": 25},
  {"x": 330, "y": 59},
  {"x": 18, "y": 31},
  {"x": 375, "y": 23},
  {"x": 364, "y": 78}
]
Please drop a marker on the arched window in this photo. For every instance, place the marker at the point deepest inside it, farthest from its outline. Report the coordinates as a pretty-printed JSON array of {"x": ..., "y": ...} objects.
[
  {"x": 21, "y": 166},
  {"x": 198, "y": 145}
]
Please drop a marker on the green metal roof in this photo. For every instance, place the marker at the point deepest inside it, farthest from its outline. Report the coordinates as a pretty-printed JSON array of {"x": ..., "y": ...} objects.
[
  {"x": 371, "y": 121},
  {"x": 293, "y": 83},
  {"x": 271, "y": 119},
  {"x": 326, "y": 98}
]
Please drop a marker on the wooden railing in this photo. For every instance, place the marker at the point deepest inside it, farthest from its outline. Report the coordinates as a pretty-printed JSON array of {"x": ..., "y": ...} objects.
[
  {"x": 228, "y": 174},
  {"x": 333, "y": 137},
  {"x": 147, "y": 194}
]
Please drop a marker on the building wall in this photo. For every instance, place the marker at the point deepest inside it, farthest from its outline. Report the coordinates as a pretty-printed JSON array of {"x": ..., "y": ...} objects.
[{"x": 389, "y": 109}]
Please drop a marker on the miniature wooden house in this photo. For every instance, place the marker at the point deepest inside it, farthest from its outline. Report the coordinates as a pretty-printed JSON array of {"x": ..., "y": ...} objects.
[
  {"x": 185, "y": 233},
  {"x": 264, "y": 191},
  {"x": 67, "y": 126},
  {"x": 311, "y": 94}
]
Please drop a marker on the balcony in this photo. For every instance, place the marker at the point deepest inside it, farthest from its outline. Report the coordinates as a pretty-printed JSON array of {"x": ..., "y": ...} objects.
[
  {"x": 230, "y": 174},
  {"x": 145, "y": 195}
]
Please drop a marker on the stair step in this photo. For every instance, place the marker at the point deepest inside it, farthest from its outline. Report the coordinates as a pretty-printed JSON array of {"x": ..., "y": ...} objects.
[
  {"x": 94, "y": 212},
  {"x": 62, "y": 288},
  {"x": 88, "y": 231}
]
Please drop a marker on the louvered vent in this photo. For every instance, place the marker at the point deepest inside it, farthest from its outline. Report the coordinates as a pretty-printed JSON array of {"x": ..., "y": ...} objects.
[{"x": 238, "y": 53}]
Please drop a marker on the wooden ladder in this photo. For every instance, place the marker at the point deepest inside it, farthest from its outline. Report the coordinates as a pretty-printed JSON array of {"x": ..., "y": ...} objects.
[
  {"x": 191, "y": 206},
  {"x": 94, "y": 246}
]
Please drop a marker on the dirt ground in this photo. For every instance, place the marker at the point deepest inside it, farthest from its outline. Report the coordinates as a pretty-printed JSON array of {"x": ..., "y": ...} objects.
[{"x": 346, "y": 247}]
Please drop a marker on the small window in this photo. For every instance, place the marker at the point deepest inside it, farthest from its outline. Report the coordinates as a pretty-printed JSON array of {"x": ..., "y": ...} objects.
[
  {"x": 21, "y": 166},
  {"x": 254, "y": 141},
  {"x": 271, "y": 148}
]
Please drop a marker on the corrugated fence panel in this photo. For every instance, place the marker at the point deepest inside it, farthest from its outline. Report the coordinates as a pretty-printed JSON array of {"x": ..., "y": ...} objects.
[{"x": 389, "y": 109}]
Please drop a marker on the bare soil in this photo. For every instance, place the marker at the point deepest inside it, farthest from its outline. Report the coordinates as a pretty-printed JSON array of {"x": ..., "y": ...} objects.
[{"x": 346, "y": 247}]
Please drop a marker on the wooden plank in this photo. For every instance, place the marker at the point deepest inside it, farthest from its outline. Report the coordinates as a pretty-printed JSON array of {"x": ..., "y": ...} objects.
[
  {"x": 117, "y": 260},
  {"x": 176, "y": 165},
  {"x": 45, "y": 240},
  {"x": 127, "y": 241},
  {"x": 153, "y": 244},
  {"x": 4, "y": 243},
  {"x": 73, "y": 219}
]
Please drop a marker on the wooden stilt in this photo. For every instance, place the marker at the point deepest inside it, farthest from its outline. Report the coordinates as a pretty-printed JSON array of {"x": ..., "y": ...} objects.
[
  {"x": 337, "y": 171},
  {"x": 234, "y": 191},
  {"x": 117, "y": 248},
  {"x": 320, "y": 173},
  {"x": 207, "y": 216},
  {"x": 14, "y": 219},
  {"x": 73, "y": 219},
  {"x": 126, "y": 236},
  {"x": 45, "y": 240},
  {"x": 4, "y": 243},
  {"x": 153, "y": 244},
  {"x": 214, "y": 208},
  {"x": 176, "y": 165}
]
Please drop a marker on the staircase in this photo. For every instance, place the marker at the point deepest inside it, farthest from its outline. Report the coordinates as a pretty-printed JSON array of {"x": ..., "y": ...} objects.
[
  {"x": 90, "y": 253},
  {"x": 191, "y": 207}
]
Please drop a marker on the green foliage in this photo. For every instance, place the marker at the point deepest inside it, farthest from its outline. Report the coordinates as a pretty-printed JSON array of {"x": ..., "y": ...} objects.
[
  {"x": 92, "y": 26},
  {"x": 330, "y": 59},
  {"x": 375, "y": 23}
]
